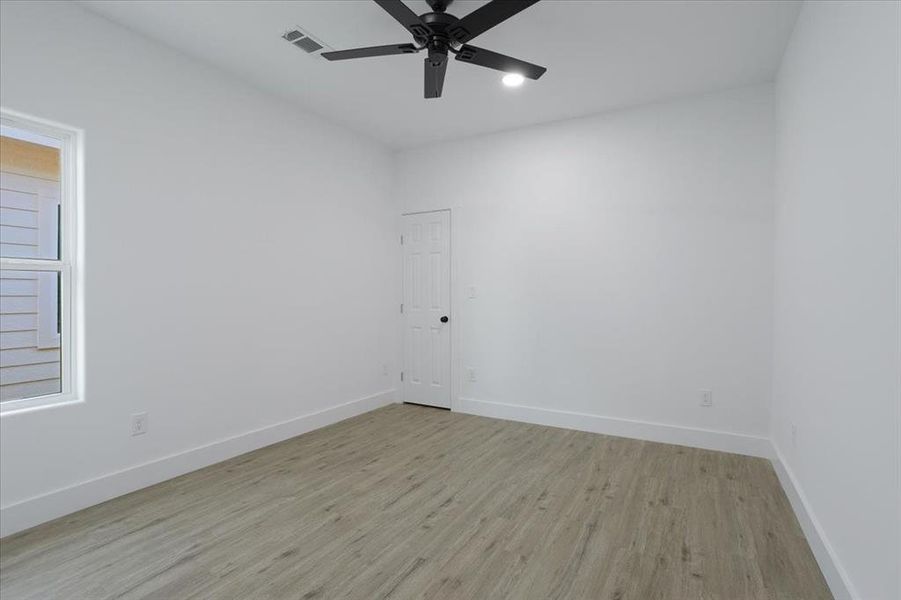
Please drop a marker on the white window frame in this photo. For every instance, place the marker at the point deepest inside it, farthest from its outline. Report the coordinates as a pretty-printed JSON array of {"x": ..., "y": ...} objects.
[{"x": 71, "y": 143}]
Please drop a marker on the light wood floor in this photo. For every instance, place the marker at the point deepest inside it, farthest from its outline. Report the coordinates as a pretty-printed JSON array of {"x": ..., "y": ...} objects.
[{"x": 412, "y": 502}]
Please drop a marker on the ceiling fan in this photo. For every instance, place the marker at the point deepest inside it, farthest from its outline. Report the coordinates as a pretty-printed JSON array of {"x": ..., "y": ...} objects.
[{"x": 440, "y": 33}]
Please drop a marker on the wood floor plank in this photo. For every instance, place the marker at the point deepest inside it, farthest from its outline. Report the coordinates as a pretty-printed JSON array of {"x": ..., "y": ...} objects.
[{"x": 411, "y": 502}]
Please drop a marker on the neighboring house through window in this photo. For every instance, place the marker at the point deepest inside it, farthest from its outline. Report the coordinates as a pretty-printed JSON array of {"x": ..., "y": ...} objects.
[{"x": 37, "y": 262}]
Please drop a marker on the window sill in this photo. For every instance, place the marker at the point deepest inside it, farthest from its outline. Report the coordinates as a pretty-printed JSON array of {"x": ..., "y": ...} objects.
[{"x": 13, "y": 407}]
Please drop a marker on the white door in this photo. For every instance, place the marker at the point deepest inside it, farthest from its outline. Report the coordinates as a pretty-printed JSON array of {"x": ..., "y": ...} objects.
[{"x": 426, "y": 308}]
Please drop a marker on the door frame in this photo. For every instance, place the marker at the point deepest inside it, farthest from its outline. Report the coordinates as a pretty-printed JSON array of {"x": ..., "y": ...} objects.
[{"x": 453, "y": 313}]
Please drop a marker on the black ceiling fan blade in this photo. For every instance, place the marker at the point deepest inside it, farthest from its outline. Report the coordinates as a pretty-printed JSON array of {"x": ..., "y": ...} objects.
[
  {"x": 499, "y": 62},
  {"x": 371, "y": 51},
  {"x": 406, "y": 17},
  {"x": 434, "y": 77},
  {"x": 484, "y": 18}
]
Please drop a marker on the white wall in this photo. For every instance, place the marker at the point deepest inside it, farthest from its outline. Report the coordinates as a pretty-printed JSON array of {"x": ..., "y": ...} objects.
[
  {"x": 622, "y": 263},
  {"x": 241, "y": 266},
  {"x": 837, "y": 363}
]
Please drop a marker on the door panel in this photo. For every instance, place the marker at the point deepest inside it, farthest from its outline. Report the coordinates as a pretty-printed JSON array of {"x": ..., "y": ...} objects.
[{"x": 426, "y": 300}]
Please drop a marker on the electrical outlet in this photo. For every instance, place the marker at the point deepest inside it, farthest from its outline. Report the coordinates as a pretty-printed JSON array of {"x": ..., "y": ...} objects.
[
  {"x": 471, "y": 292},
  {"x": 384, "y": 369},
  {"x": 471, "y": 373},
  {"x": 706, "y": 398},
  {"x": 139, "y": 424}
]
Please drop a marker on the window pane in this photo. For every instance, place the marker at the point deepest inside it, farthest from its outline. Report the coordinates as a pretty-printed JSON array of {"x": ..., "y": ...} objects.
[
  {"x": 30, "y": 330},
  {"x": 29, "y": 195}
]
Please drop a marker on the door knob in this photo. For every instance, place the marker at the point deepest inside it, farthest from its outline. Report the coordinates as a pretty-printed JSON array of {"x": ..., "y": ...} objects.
[{"x": 444, "y": 319}]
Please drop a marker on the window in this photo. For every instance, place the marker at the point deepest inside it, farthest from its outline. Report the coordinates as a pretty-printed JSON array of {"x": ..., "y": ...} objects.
[{"x": 38, "y": 268}]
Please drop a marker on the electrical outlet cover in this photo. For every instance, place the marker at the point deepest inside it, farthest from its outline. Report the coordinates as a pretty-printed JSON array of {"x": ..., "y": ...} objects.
[{"x": 139, "y": 424}]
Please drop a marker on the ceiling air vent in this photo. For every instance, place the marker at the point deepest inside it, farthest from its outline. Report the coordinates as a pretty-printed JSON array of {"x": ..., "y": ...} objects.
[
  {"x": 303, "y": 40},
  {"x": 308, "y": 44}
]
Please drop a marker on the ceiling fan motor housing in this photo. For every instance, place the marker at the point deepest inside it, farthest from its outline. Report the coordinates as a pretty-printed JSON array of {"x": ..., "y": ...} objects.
[{"x": 438, "y": 42}]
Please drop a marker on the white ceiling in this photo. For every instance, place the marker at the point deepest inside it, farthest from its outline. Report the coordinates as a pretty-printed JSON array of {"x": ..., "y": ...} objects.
[{"x": 600, "y": 55}]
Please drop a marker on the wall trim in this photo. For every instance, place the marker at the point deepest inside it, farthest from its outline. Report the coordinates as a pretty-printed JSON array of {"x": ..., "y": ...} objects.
[
  {"x": 708, "y": 439},
  {"x": 839, "y": 583},
  {"x": 45, "y": 507}
]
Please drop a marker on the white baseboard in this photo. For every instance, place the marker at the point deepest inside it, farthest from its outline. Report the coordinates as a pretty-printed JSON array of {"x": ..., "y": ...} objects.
[
  {"x": 39, "y": 509},
  {"x": 832, "y": 569},
  {"x": 709, "y": 439}
]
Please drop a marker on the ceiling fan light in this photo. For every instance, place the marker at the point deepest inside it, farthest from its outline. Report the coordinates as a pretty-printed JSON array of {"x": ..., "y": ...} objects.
[{"x": 513, "y": 79}]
